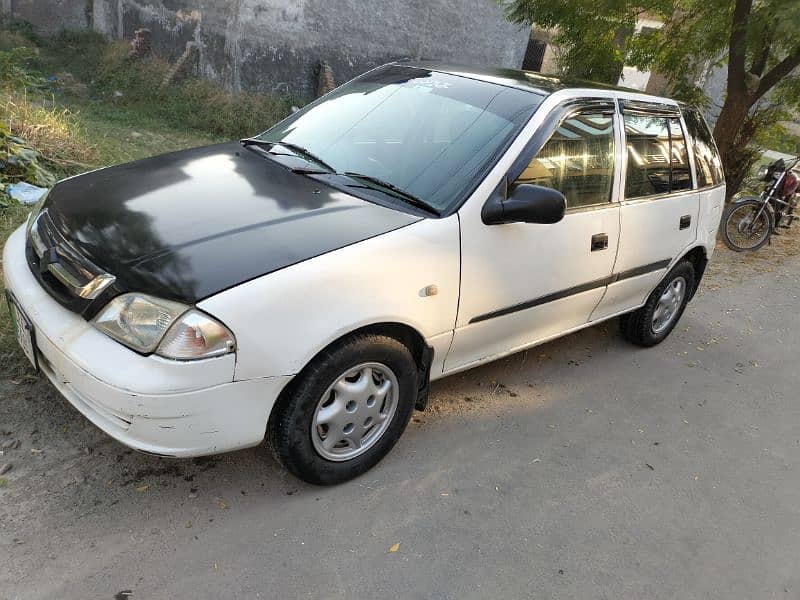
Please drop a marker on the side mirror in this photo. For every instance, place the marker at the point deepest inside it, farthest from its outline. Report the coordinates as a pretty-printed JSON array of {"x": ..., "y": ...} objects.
[{"x": 524, "y": 203}]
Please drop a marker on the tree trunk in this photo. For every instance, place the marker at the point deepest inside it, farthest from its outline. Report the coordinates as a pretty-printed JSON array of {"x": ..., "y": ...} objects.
[{"x": 734, "y": 112}]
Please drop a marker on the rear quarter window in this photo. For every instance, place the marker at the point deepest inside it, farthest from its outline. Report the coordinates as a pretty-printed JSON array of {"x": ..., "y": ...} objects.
[{"x": 706, "y": 158}]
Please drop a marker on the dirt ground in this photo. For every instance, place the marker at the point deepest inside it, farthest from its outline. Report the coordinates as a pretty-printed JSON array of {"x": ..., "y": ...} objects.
[{"x": 72, "y": 496}]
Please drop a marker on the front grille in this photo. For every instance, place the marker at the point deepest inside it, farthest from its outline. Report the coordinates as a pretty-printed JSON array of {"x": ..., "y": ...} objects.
[{"x": 70, "y": 278}]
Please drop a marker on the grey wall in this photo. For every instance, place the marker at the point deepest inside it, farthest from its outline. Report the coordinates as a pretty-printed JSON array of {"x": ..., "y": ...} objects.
[
  {"x": 276, "y": 45},
  {"x": 51, "y": 15}
]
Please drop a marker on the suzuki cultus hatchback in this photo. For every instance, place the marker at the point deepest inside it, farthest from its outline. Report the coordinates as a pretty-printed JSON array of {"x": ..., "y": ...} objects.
[{"x": 308, "y": 283}]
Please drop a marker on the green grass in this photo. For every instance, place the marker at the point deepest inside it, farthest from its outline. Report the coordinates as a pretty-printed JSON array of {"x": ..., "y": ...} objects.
[
  {"x": 124, "y": 136},
  {"x": 13, "y": 363},
  {"x": 129, "y": 91}
]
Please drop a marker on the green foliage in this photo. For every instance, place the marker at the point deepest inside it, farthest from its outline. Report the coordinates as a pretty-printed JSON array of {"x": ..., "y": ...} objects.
[
  {"x": 9, "y": 40},
  {"x": 133, "y": 88},
  {"x": 592, "y": 36},
  {"x": 22, "y": 28},
  {"x": 696, "y": 36},
  {"x": 753, "y": 139},
  {"x": 15, "y": 71},
  {"x": 597, "y": 35},
  {"x": 775, "y": 136},
  {"x": 758, "y": 39}
]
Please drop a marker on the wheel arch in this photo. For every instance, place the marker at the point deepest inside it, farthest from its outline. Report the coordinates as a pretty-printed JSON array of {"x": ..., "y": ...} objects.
[
  {"x": 698, "y": 256},
  {"x": 402, "y": 332}
]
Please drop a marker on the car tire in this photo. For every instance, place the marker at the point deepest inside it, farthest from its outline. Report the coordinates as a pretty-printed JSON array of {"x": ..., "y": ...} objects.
[
  {"x": 333, "y": 393},
  {"x": 653, "y": 322}
]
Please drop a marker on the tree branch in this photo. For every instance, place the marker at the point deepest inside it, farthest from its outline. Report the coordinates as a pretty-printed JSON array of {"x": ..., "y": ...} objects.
[
  {"x": 737, "y": 48},
  {"x": 778, "y": 72},
  {"x": 760, "y": 62}
]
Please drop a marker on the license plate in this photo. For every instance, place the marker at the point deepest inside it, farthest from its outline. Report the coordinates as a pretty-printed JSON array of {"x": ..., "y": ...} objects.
[{"x": 23, "y": 329}]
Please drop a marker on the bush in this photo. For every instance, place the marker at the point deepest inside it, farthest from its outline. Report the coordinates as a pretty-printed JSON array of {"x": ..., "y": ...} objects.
[
  {"x": 54, "y": 132},
  {"x": 23, "y": 29},
  {"x": 9, "y": 40},
  {"x": 15, "y": 70},
  {"x": 775, "y": 136},
  {"x": 37, "y": 140},
  {"x": 136, "y": 85}
]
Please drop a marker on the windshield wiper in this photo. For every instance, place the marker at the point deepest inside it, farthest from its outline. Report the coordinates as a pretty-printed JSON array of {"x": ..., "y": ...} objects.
[
  {"x": 311, "y": 157},
  {"x": 297, "y": 149},
  {"x": 396, "y": 191}
]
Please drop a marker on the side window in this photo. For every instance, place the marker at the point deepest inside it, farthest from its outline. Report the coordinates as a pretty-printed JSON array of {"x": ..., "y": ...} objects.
[
  {"x": 657, "y": 159},
  {"x": 578, "y": 161},
  {"x": 706, "y": 160},
  {"x": 647, "y": 172}
]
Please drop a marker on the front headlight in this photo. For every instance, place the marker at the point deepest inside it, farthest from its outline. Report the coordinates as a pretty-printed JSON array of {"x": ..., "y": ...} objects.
[
  {"x": 171, "y": 329},
  {"x": 762, "y": 172}
]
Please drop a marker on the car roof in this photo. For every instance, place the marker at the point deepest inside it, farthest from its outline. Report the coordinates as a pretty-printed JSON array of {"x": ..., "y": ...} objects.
[{"x": 530, "y": 81}]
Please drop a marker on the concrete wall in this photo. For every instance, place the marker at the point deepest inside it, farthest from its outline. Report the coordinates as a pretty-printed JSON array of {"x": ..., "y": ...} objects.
[
  {"x": 276, "y": 45},
  {"x": 51, "y": 15}
]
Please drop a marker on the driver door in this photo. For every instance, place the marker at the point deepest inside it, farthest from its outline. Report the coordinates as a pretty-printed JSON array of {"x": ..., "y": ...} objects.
[{"x": 523, "y": 283}]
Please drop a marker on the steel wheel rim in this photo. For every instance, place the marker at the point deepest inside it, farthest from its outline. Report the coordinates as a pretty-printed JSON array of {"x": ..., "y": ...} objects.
[
  {"x": 738, "y": 232},
  {"x": 669, "y": 304},
  {"x": 355, "y": 411}
]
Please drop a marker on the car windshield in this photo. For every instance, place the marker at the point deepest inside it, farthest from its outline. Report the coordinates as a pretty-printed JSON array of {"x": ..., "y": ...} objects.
[{"x": 430, "y": 134}]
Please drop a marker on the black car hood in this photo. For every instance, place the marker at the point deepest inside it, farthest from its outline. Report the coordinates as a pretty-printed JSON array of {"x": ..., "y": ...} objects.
[{"x": 190, "y": 224}]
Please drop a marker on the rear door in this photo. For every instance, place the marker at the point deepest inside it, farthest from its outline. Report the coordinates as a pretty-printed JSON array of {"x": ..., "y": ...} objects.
[
  {"x": 709, "y": 176},
  {"x": 659, "y": 210}
]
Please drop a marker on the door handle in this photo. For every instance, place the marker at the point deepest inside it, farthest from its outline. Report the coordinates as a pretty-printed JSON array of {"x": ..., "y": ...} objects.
[
  {"x": 599, "y": 242},
  {"x": 686, "y": 220}
]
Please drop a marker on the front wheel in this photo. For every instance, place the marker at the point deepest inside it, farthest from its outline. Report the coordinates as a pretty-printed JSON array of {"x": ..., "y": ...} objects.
[
  {"x": 346, "y": 410},
  {"x": 746, "y": 225}
]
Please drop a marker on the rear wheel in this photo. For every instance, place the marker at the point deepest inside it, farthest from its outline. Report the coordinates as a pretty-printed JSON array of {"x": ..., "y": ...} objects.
[
  {"x": 651, "y": 324},
  {"x": 746, "y": 225},
  {"x": 346, "y": 410}
]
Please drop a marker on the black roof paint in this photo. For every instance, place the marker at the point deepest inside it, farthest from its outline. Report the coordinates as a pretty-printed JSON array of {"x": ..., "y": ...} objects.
[{"x": 190, "y": 224}]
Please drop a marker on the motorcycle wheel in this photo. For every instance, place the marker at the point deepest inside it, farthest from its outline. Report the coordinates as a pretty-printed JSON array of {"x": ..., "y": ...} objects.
[{"x": 743, "y": 228}]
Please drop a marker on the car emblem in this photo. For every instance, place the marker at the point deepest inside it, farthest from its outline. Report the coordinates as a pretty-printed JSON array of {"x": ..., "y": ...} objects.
[{"x": 50, "y": 262}]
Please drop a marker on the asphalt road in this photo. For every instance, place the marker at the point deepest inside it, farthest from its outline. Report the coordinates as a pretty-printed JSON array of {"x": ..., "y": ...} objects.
[{"x": 585, "y": 468}]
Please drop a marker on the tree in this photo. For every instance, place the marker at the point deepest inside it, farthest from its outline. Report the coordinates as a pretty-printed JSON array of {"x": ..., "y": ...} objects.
[
  {"x": 591, "y": 36},
  {"x": 760, "y": 42},
  {"x": 763, "y": 51}
]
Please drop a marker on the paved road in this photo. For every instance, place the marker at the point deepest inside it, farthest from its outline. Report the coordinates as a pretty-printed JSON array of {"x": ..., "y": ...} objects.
[{"x": 585, "y": 468}]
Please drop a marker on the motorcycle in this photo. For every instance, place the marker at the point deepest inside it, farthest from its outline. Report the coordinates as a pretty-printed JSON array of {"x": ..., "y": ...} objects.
[{"x": 748, "y": 223}]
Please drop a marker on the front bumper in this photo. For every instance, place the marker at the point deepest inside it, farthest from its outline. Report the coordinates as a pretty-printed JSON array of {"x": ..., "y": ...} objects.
[{"x": 149, "y": 403}]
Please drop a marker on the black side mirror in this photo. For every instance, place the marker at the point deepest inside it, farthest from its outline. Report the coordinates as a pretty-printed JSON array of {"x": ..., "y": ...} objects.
[{"x": 524, "y": 203}]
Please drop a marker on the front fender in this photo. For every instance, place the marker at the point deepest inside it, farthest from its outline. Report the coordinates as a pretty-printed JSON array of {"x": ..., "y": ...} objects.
[{"x": 283, "y": 319}]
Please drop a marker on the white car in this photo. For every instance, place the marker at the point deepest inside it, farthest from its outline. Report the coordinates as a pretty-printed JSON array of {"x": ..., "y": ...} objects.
[{"x": 307, "y": 284}]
